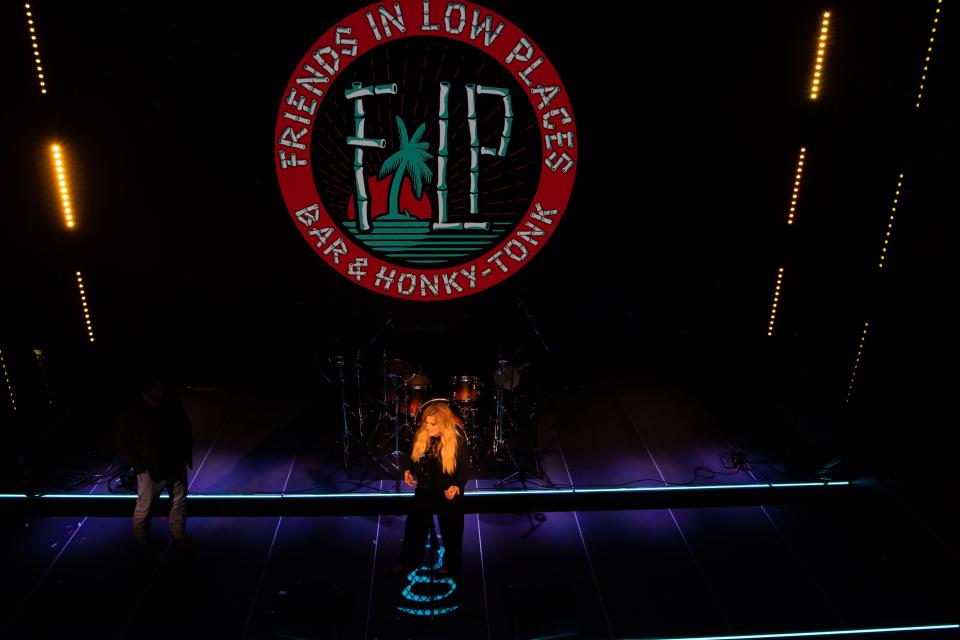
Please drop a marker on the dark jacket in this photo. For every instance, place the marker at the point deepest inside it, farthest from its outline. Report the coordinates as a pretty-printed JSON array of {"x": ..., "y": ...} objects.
[
  {"x": 158, "y": 440},
  {"x": 432, "y": 480}
]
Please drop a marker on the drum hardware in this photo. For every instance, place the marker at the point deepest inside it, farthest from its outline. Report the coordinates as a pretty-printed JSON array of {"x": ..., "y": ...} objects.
[
  {"x": 362, "y": 435},
  {"x": 395, "y": 367},
  {"x": 499, "y": 448},
  {"x": 358, "y": 366},
  {"x": 345, "y": 441},
  {"x": 396, "y": 397},
  {"x": 501, "y": 414},
  {"x": 533, "y": 323},
  {"x": 507, "y": 377}
]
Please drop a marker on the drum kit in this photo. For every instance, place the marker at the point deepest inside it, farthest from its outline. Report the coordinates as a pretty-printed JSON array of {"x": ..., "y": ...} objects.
[{"x": 383, "y": 425}]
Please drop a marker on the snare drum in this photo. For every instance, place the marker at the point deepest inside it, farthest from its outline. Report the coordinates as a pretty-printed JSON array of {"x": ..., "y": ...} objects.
[{"x": 465, "y": 389}]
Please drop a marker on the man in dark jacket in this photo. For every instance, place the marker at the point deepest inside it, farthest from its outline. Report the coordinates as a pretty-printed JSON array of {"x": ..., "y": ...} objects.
[{"x": 154, "y": 436}]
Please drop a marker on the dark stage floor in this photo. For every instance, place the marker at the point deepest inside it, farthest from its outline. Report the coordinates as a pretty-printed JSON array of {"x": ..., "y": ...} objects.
[{"x": 592, "y": 574}]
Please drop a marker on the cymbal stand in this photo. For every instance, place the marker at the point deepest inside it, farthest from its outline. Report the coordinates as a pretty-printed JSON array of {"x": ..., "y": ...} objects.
[
  {"x": 500, "y": 447},
  {"x": 358, "y": 365},
  {"x": 394, "y": 456},
  {"x": 498, "y": 440},
  {"x": 338, "y": 360}
]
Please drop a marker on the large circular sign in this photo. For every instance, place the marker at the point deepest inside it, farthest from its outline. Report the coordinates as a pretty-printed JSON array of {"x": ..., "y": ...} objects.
[{"x": 426, "y": 150}]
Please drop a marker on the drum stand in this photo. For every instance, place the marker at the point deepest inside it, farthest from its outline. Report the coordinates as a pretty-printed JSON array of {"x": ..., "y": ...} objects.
[
  {"x": 500, "y": 450},
  {"x": 395, "y": 411},
  {"x": 393, "y": 458},
  {"x": 348, "y": 439},
  {"x": 345, "y": 437},
  {"x": 357, "y": 366}
]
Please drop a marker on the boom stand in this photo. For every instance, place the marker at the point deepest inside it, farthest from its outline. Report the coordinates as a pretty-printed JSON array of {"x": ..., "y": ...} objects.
[{"x": 500, "y": 449}]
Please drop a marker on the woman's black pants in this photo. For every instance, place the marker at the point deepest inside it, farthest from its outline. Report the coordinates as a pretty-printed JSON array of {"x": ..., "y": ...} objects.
[{"x": 451, "y": 530}]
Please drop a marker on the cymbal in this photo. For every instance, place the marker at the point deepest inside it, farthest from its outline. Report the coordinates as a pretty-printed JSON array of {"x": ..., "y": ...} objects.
[
  {"x": 396, "y": 367},
  {"x": 417, "y": 380},
  {"x": 511, "y": 377}
]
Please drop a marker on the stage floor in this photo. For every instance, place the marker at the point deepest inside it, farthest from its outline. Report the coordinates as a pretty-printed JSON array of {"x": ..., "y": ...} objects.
[{"x": 626, "y": 574}]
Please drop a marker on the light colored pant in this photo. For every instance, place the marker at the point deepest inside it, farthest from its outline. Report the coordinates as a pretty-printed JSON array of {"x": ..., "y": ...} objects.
[{"x": 147, "y": 492}]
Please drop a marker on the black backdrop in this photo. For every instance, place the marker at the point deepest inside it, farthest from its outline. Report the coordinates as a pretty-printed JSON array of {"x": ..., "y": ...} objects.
[{"x": 689, "y": 121}]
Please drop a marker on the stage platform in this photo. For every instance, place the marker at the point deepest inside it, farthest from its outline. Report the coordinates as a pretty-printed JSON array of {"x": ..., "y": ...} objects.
[{"x": 637, "y": 527}]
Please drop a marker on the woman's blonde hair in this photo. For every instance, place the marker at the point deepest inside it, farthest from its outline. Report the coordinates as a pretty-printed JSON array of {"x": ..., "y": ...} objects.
[{"x": 448, "y": 436}]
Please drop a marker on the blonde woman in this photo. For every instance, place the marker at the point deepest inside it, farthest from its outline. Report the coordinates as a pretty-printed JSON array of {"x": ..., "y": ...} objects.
[{"x": 438, "y": 467}]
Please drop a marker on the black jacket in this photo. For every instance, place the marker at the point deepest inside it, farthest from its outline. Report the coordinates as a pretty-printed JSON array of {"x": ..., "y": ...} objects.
[
  {"x": 158, "y": 440},
  {"x": 432, "y": 480}
]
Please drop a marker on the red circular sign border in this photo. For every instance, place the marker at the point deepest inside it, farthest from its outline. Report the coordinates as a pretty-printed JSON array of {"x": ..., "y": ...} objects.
[{"x": 553, "y": 191}]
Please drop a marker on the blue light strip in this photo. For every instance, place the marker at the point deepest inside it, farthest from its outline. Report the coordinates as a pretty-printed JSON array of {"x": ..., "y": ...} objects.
[
  {"x": 658, "y": 489},
  {"x": 814, "y": 634},
  {"x": 409, "y": 496}
]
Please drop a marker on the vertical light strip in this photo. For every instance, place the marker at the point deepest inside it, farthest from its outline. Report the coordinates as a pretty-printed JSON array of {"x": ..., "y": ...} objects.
[
  {"x": 893, "y": 211},
  {"x": 926, "y": 60},
  {"x": 6, "y": 379},
  {"x": 62, "y": 188},
  {"x": 796, "y": 185},
  {"x": 36, "y": 48},
  {"x": 776, "y": 301},
  {"x": 86, "y": 308},
  {"x": 856, "y": 363},
  {"x": 821, "y": 56}
]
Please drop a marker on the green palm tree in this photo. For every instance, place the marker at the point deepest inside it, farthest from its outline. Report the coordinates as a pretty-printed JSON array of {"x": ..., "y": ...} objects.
[{"x": 410, "y": 159}]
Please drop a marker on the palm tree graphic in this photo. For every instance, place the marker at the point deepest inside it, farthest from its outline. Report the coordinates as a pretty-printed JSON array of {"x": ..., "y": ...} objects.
[{"x": 410, "y": 159}]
